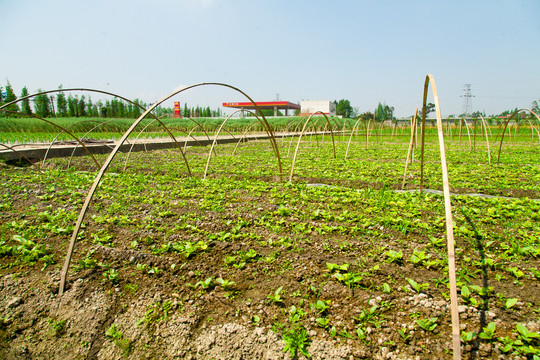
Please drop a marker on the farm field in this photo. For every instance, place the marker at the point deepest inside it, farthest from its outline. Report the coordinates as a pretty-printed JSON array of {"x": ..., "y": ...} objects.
[{"x": 339, "y": 263}]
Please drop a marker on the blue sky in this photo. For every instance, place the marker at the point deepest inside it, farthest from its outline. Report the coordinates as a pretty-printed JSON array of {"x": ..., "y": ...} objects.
[{"x": 364, "y": 51}]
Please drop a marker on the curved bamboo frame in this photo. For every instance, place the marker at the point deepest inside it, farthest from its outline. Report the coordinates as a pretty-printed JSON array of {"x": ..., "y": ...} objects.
[
  {"x": 300, "y": 139},
  {"x": 99, "y": 176},
  {"x": 100, "y": 92},
  {"x": 292, "y": 138},
  {"x": 413, "y": 133},
  {"x": 506, "y": 125},
  {"x": 244, "y": 134},
  {"x": 60, "y": 133},
  {"x": 21, "y": 154},
  {"x": 350, "y": 137},
  {"x": 487, "y": 139},
  {"x": 51, "y": 123},
  {"x": 461, "y": 121},
  {"x": 216, "y": 137},
  {"x": 195, "y": 127},
  {"x": 456, "y": 340}
]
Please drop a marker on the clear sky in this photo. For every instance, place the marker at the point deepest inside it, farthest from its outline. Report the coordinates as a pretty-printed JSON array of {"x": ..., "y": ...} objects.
[{"x": 364, "y": 51}]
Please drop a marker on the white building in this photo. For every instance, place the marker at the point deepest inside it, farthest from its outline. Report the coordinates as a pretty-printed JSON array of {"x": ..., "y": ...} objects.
[{"x": 312, "y": 106}]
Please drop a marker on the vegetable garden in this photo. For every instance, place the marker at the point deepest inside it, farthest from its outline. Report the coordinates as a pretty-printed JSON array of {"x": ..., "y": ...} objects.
[{"x": 226, "y": 258}]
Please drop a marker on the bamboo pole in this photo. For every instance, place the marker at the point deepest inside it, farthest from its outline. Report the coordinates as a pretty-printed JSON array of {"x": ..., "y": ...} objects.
[{"x": 456, "y": 340}]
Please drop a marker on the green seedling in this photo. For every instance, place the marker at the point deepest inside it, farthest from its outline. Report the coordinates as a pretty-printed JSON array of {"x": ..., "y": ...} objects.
[
  {"x": 116, "y": 336},
  {"x": 57, "y": 327},
  {"x": 206, "y": 284},
  {"x": 467, "y": 337},
  {"x": 527, "y": 336},
  {"x": 428, "y": 324},
  {"x": 349, "y": 279},
  {"x": 416, "y": 286},
  {"x": 322, "y": 322},
  {"x": 321, "y": 306},
  {"x": 394, "y": 256},
  {"x": 419, "y": 257},
  {"x": 386, "y": 288},
  {"x": 515, "y": 272},
  {"x": 154, "y": 270},
  {"x": 335, "y": 267},
  {"x": 111, "y": 275},
  {"x": 276, "y": 297},
  {"x": 488, "y": 332},
  {"x": 296, "y": 340},
  {"x": 225, "y": 284},
  {"x": 510, "y": 303},
  {"x": 405, "y": 334}
]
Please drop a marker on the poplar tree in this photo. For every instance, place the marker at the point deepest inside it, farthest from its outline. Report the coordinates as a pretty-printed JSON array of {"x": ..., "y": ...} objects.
[
  {"x": 72, "y": 106},
  {"x": 10, "y": 96},
  {"x": 41, "y": 105},
  {"x": 81, "y": 107},
  {"x": 61, "y": 103},
  {"x": 26, "y": 109}
]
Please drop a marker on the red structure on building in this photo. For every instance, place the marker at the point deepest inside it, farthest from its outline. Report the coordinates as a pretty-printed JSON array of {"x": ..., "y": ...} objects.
[
  {"x": 177, "y": 113},
  {"x": 276, "y": 105}
]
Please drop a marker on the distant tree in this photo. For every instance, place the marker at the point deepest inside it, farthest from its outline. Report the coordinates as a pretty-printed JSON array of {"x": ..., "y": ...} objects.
[
  {"x": 42, "y": 106},
  {"x": 61, "y": 103},
  {"x": 25, "y": 105},
  {"x": 383, "y": 112},
  {"x": 72, "y": 105},
  {"x": 185, "y": 112},
  {"x": 344, "y": 108},
  {"x": 89, "y": 107},
  {"x": 535, "y": 107},
  {"x": 10, "y": 96},
  {"x": 81, "y": 107},
  {"x": 430, "y": 107},
  {"x": 508, "y": 112},
  {"x": 477, "y": 114},
  {"x": 366, "y": 116}
]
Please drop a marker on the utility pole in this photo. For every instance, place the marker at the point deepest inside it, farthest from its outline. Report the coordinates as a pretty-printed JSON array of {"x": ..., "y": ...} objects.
[{"x": 467, "y": 103}]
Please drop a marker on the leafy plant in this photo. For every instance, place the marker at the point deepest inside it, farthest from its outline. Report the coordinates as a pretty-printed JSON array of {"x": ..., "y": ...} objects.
[
  {"x": 322, "y": 322},
  {"x": 488, "y": 332},
  {"x": 419, "y": 257},
  {"x": 116, "y": 336},
  {"x": 510, "y": 303},
  {"x": 467, "y": 336},
  {"x": 405, "y": 334},
  {"x": 428, "y": 324},
  {"x": 335, "y": 267},
  {"x": 296, "y": 340},
  {"x": 349, "y": 279},
  {"x": 418, "y": 287},
  {"x": 394, "y": 256},
  {"x": 225, "y": 284},
  {"x": 57, "y": 326},
  {"x": 321, "y": 306},
  {"x": 206, "y": 284},
  {"x": 276, "y": 297},
  {"x": 111, "y": 275}
]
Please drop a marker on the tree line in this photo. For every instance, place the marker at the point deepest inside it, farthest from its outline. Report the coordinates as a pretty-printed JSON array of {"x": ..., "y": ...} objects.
[{"x": 60, "y": 105}]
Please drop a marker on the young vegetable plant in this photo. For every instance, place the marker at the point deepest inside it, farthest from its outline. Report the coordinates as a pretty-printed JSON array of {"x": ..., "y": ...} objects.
[
  {"x": 428, "y": 324},
  {"x": 276, "y": 297},
  {"x": 225, "y": 284},
  {"x": 394, "y": 256},
  {"x": 418, "y": 287},
  {"x": 419, "y": 257},
  {"x": 206, "y": 284},
  {"x": 488, "y": 332}
]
